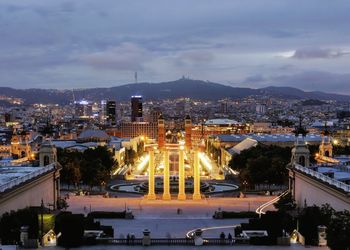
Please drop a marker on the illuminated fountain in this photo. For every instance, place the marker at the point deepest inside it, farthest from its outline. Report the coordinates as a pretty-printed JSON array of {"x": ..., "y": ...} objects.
[{"x": 174, "y": 167}]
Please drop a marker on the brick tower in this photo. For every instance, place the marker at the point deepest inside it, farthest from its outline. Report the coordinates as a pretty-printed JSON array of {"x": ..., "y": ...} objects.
[
  {"x": 188, "y": 130},
  {"x": 161, "y": 132}
]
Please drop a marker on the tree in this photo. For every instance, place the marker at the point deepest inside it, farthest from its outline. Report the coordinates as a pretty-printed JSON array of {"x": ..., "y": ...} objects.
[
  {"x": 89, "y": 170},
  {"x": 312, "y": 217},
  {"x": 309, "y": 220},
  {"x": 71, "y": 165},
  {"x": 262, "y": 164},
  {"x": 71, "y": 227},
  {"x": 73, "y": 174},
  {"x": 285, "y": 203},
  {"x": 93, "y": 166},
  {"x": 338, "y": 231},
  {"x": 11, "y": 223}
]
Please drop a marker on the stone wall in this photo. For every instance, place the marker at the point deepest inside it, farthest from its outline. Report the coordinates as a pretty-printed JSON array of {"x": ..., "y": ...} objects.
[
  {"x": 30, "y": 193},
  {"x": 314, "y": 192}
]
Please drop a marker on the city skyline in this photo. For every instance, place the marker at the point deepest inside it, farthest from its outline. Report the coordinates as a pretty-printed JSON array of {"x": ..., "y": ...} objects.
[{"x": 84, "y": 44}]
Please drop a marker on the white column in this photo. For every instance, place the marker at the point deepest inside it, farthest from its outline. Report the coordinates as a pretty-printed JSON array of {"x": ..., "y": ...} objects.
[
  {"x": 196, "y": 178},
  {"x": 151, "y": 194},
  {"x": 182, "y": 194},
  {"x": 166, "y": 176}
]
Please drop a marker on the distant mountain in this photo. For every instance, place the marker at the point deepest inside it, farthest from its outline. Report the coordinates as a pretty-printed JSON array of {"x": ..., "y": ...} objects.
[
  {"x": 294, "y": 93},
  {"x": 194, "y": 89}
]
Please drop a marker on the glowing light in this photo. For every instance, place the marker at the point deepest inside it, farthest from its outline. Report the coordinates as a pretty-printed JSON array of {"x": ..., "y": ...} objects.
[
  {"x": 83, "y": 102},
  {"x": 206, "y": 162},
  {"x": 260, "y": 210},
  {"x": 190, "y": 234},
  {"x": 143, "y": 163},
  {"x": 335, "y": 142}
]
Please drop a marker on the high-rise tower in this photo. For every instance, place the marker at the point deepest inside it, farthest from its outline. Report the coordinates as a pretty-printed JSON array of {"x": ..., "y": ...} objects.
[
  {"x": 111, "y": 112},
  {"x": 136, "y": 108}
]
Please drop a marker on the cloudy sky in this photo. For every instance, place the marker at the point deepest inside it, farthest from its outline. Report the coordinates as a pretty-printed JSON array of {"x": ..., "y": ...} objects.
[{"x": 250, "y": 43}]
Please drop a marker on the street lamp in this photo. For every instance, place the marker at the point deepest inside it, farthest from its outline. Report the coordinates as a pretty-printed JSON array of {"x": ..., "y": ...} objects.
[{"x": 245, "y": 183}]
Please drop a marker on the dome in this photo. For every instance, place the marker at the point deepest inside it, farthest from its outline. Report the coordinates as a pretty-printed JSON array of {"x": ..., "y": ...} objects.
[
  {"x": 223, "y": 121},
  {"x": 93, "y": 135}
]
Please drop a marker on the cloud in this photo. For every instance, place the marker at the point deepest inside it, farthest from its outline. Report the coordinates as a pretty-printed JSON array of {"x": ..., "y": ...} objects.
[
  {"x": 68, "y": 7},
  {"x": 192, "y": 58},
  {"x": 318, "y": 53},
  {"x": 255, "y": 79},
  {"x": 312, "y": 81},
  {"x": 87, "y": 41},
  {"x": 308, "y": 80},
  {"x": 126, "y": 56}
]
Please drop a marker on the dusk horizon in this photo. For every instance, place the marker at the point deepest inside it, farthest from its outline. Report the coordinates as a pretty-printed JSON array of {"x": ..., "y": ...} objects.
[
  {"x": 115, "y": 85},
  {"x": 182, "y": 124},
  {"x": 83, "y": 44}
]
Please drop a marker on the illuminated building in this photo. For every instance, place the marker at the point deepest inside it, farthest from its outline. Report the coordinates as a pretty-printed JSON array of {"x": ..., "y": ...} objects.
[
  {"x": 83, "y": 109},
  {"x": 135, "y": 129},
  {"x": 260, "y": 109},
  {"x": 26, "y": 186},
  {"x": 5, "y": 150},
  {"x": 103, "y": 111},
  {"x": 25, "y": 145},
  {"x": 136, "y": 108},
  {"x": 154, "y": 115},
  {"x": 318, "y": 184},
  {"x": 201, "y": 132},
  {"x": 111, "y": 112}
]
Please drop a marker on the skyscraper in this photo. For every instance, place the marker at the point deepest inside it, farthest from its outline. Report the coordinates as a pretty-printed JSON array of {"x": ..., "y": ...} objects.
[
  {"x": 111, "y": 112},
  {"x": 136, "y": 108},
  {"x": 83, "y": 108},
  {"x": 103, "y": 111}
]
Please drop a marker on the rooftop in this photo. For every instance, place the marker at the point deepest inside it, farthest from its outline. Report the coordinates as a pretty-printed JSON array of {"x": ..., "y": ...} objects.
[
  {"x": 339, "y": 180},
  {"x": 245, "y": 144},
  {"x": 115, "y": 142},
  {"x": 267, "y": 137},
  {"x": 91, "y": 133},
  {"x": 13, "y": 176},
  {"x": 340, "y": 174},
  {"x": 221, "y": 122}
]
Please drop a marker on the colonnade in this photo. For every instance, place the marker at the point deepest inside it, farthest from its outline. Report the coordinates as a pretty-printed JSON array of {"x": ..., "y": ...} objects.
[{"x": 166, "y": 177}]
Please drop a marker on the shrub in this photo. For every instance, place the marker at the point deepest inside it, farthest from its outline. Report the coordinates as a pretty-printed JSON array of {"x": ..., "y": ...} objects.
[
  {"x": 107, "y": 215},
  {"x": 244, "y": 214},
  {"x": 71, "y": 226}
]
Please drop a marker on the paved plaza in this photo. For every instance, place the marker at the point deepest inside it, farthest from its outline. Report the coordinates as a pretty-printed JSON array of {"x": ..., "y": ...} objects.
[
  {"x": 162, "y": 218},
  {"x": 143, "y": 208}
]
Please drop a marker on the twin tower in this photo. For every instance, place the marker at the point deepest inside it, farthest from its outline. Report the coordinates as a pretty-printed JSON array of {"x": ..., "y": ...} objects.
[
  {"x": 161, "y": 132},
  {"x": 181, "y": 150}
]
